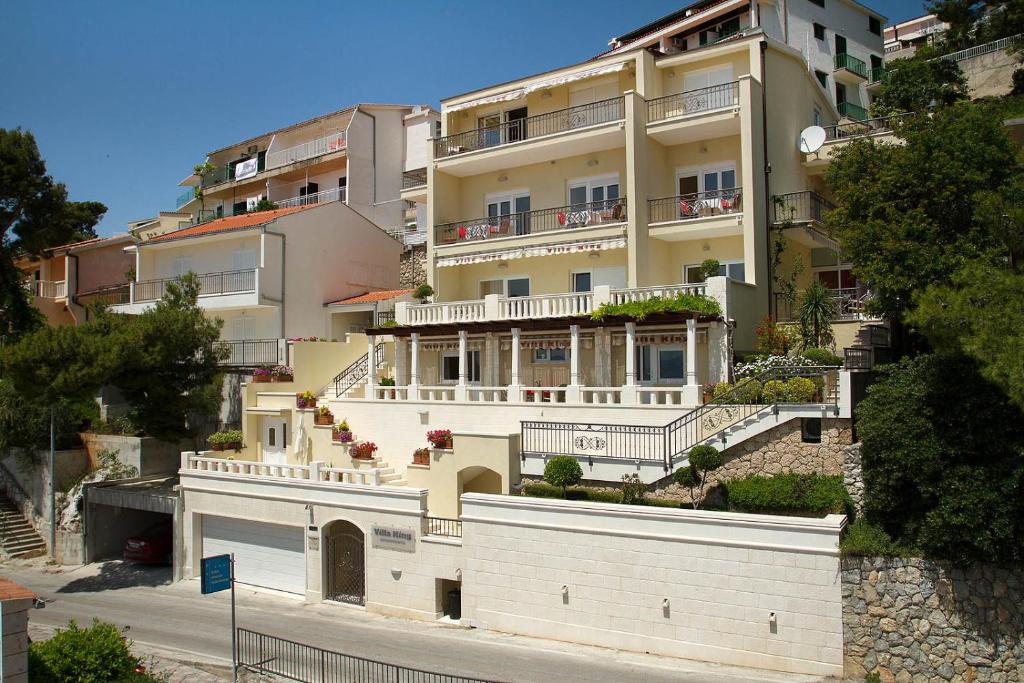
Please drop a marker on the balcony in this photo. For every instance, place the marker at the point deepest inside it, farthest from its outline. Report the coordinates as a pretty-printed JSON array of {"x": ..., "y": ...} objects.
[
  {"x": 695, "y": 114},
  {"x": 877, "y": 74},
  {"x": 337, "y": 194},
  {"x": 700, "y": 214},
  {"x": 575, "y": 217},
  {"x": 111, "y": 296},
  {"x": 853, "y": 111},
  {"x": 693, "y": 102},
  {"x": 850, "y": 304},
  {"x": 253, "y": 352},
  {"x": 849, "y": 69},
  {"x": 185, "y": 197},
  {"x": 328, "y": 144},
  {"x": 210, "y": 284},
  {"x": 801, "y": 208},
  {"x": 47, "y": 289},
  {"x": 413, "y": 179}
]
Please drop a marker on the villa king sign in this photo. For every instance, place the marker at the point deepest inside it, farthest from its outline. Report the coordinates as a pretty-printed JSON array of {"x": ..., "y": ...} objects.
[{"x": 393, "y": 538}]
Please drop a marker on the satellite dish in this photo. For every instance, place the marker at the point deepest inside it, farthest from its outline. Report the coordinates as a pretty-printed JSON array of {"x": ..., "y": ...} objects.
[{"x": 811, "y": 139}]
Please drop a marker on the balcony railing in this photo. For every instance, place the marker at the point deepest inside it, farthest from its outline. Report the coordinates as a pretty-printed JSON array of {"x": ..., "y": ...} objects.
[
  {"x": 443, "y": 526},
  {"x": 849, "y": 302},
  {"x": 851, "y": 64},
  {"x": 877, "y": 74},
  {"x": 185, "y": 197},
  {"x": 336, "y": 194},
  {"x": 532, "y": 222},
  {"x": 801, "y": 207},
  {"x": 694, "y": 101},
  {"x": 47, "y": 289},
  {"x": 853, "y": 111},
  {"x": 253, "y": 352},
  {"x": 112, "y": 296},
  {"x": 882, "y": 124},
  {"x": 328, "y": 144},
  {"x": 222, "y": 174},
  {"x": 695, "y": 205},
  {"x": 414, "y": 178},
  {"x": 210, "y": 284},
  {"x": 585, "y": 115}
]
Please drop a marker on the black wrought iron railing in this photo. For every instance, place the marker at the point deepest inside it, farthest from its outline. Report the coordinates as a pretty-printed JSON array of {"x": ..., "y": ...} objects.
[
  {"x": 693, "y": 101},
  {"x": 227, "y": 282},
  {"x": 695, "y": 205},
  {"x": 855, "y": 129},
  {"x": 354, "y": 373},
  {"x": 384, "y": 317},
  {"x": 443, "y": 526},
  {"x": 669, "y": 443},
  {"x": 517, "y": 130},
  {"x": 801, "y": 207},
  {"x": 858, "y": 358},
  {"x": 414, "y": 178},
  {"x": 252, "y": 352},
  {"x": 264, "y": 654},
  {"x": 532, "y": 222}
]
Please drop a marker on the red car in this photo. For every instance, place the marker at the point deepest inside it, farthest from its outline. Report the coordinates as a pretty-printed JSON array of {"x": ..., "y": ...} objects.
[{"x": 152, "y": 546}]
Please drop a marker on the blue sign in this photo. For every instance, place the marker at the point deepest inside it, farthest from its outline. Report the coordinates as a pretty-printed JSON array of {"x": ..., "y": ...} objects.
[{"x": 216, "y": 573}]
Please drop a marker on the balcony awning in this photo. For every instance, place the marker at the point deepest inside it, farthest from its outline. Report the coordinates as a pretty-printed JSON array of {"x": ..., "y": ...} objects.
[
  {"x": 490, "y": 99},
  {"x": 574, "y": 76},
  {"x": 526, "y": 252}
]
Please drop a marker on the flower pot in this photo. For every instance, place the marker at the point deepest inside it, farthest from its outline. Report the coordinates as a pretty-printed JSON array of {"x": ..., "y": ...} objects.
[
  {"x": 707, "y": 397},
  {"x": 233, "y": 446},
  {"x": 323, "y": 420},
  {"x": 304, "y": 404},
  {"x": 361, "y": 456},
  {"x": 262, "y": 379},
  {"x": 421, "y": 458},
  {"x": 282, "y": 378},
  {"x": 217, "y": 446},
  {"x": 342, "y": 437}
]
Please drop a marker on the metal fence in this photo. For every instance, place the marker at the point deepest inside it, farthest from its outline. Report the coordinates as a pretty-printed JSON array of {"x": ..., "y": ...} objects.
[
  {"x": 269, "y": 655},
  {"x": 252, "y": 352},
  {"x": 695, "y": 205},
  {"x": 328, "y": 144},
  {"x": 801, "y": 207},
  {"x": 851, "y": 63},
  {"x": 694, "y": 101},
  {"x": 516, "y": 130},
  {"x": 532, "y": 222},
  {"x": 354, "y": 373},
  {"x": 985, "y": 49},
  {"x": 336, "y": 194},
  {"x": 414, "y": 178},
  {"x": 227, "y": 282},
  {"x": 866, "y": 127},
  {"x": 443, "y": 526}
]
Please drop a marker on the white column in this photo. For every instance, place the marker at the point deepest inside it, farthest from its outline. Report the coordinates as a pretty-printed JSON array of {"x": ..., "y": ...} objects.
[
  {"x": 401, "y": 364},
  {"x": 414, "y": 362},
  {"x": 692, "y": 394},
  {"x": 513, "y": 389},
  {"x": 629, "y": 392},
  {"x": 371, "y": 365},
  {"x": 460, "y": 390},
  {"x": 572, "y": 392},
  {"x": 490, "y": 361}
]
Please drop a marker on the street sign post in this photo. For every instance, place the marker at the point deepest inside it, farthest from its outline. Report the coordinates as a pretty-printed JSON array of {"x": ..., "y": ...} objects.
[{"x": 218, "y": 574}]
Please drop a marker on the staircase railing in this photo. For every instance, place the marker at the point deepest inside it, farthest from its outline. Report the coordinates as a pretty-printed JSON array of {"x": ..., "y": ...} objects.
[
  {"x": 668, "y": 443},
  {"x": 347, "y": 378}
]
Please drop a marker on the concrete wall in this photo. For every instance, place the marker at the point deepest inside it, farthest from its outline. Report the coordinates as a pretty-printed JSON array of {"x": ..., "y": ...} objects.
[
  {"x": 34, "y": 481},
  {"x": 990, "y": 75},
  {"x": 146, "y": 454}
]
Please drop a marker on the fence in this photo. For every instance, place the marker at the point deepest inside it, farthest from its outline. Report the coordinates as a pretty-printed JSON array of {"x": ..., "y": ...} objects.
[
  {"x": 333, "y": 195},
  {"x": 335, "y": 142},
  {"x": 227, "y": 282},
  {"x": 253, "y": 352},
  {"x": 694, "y": 101},
  {"x": 442, "y": 526},
  {"x": 985, "y": 49},
  {"x": 695, "y": 205},
  {"x": 801, "y": 207},
  {"x": 414, "y": 178},
  {"x": 264, "y": 654},
  {"x": 533, "y": 222},
  {"x": 865, "y": 127}
]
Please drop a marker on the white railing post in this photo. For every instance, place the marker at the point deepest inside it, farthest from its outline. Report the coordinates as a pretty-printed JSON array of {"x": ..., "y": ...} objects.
[
  {"x": 402, "y": 312},
  {"x": 414, "y": 365},
  {"x": 718, "y": 353},
  {"x": 602, "y": 295},
  {"x": 572, "y": 392},
  {"x": 461, "y": 392},
  {"x": 401, "y": 364},
  {"x": 717, "y": 288},
  {"x": 629, "y": 389},
  {"x": 186, "y": 457},
  {"x": 691, "y": 392},
  {"x": 314, "y": 470}
]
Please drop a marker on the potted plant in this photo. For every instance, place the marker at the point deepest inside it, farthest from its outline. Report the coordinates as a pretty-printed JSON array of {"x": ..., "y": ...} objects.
[
  {"x": 710, "y": 268},
  {"x": 440, "y": 438},
  {"x": 262, "y": 374},
  {"x": 363, "y": 450},
  {"x": 388, "y": 382},
  {"x": 216, "y": 441},
  {"x": 421, "y": 456},
  {"x": 323, "y": 416},
  {"x": 225, "y": 441},
  {"x": 709, "y": 391},
  {"x": 282, "y": 373},
  {"x": 341, "y": 433},
  {"x": 423, "y": 292},
  {"x": 305, "y": 400}
]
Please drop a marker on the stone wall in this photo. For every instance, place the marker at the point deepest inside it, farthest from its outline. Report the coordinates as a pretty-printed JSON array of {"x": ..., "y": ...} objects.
[
  {"x": 917, "y": 620},
  {"x": 853, "y": 476},
  {"x": 413, "y": 267},
  {"x": 989, "y": 75}
]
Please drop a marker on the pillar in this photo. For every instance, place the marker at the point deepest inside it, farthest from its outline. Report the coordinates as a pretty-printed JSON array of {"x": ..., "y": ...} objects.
[
  {"x": 371, "y": 366},
  {"x": 514, "y": 386},
  {"x": 692, "y": 394},
  {"x": 572, "y": 392},
  {"x": 629, "y": 392},
  {"x": 461, "y": 394},
  {"x": 401, "y": 364},
  {"x": 414, "y": 360}
]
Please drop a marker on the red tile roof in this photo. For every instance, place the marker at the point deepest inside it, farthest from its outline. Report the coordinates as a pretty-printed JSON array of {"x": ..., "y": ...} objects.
[
  {"x": 370, "y": 297},
  {"x": 13, "y": 591},
  {"x": 246, "y": 220}
]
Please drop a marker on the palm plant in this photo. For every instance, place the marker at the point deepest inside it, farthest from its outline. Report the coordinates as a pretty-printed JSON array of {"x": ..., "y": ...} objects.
[{"x": 815, "y": 313}]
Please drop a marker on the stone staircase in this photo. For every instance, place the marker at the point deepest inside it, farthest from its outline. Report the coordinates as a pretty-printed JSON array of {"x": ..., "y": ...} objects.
[
  {"x": 388, "y": 476},
  {"x": 18, "y": 538}
]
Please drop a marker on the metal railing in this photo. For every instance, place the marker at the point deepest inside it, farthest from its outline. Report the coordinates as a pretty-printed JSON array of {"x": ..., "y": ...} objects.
[
  {"x": 853, "y": 111},
  {"x": 335, "y": 194},
  {"x": 111, "y": 296},
  {"x": 801, "y": 207},
  {"x": 668, "y": 443},
  {"x": 877, "y": 74},
  {"x": 384, "y": 317},
  {"x": 227, "y": 282},
  {"x": 858, "y": 358},
  {"x": 532, "y": 222},
  {"x": 185, "y": 197},
  {"x": 882, "y": 124},
  {"x": 443, "y": 526},
  {"x": 328, "y": 144},
  {"x": 354, "y": 373},
  {"x": 269, "y": 655},
  {"x": 414, "y": 178},
  {"x": 695, "y": 205},
  {"x": 984, "y": 49},
  {"x": 582, "y": 116},
  {"x": 852, "y": 64},
  {"x": 252, "y": 352},
  {"x": 694, "y": 101}
]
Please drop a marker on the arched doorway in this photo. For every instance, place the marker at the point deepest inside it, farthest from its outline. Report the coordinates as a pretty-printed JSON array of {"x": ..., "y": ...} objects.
[
  {"x": 344, "y": 563},
  {"x": 479, "y": 480}
]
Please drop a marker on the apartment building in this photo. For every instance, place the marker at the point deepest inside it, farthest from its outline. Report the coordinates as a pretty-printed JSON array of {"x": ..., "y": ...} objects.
[{"x": 903, "y": 39}]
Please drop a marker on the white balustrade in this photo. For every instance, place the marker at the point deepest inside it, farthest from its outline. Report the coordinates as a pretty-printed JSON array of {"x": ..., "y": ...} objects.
[
  {"x": 47, "y": 289},
  {"x": 340, "y": 475},
  {"x": 601, "y": 395},
  {"x": 447, "y": 312},
  {"x": 546, "y": 306},
  {"x": 625, "y": 296},
  {"x": 382, "y": 393},
  {"x": 487, "y": 394},
  {"x": 542, "y": 394},
  {"x": 660, "y": 396},
  {"x": 328, "y": 144},
  {"x": 315, "y": 471},
  {"x": 437, "y": 393}
]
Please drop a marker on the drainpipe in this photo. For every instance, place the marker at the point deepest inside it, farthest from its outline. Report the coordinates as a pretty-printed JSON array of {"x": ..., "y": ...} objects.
[
  {"x": 284, "y": 246},
  {"x": 767, "y": 171},
  {"x": 72, "y": 299}
]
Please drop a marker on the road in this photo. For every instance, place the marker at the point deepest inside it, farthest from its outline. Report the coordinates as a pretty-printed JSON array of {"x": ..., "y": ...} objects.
[{"x": 175, "y": 620}]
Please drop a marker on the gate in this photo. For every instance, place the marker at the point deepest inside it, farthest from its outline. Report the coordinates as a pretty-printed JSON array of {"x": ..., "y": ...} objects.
[{"x": 345, "y": 555}]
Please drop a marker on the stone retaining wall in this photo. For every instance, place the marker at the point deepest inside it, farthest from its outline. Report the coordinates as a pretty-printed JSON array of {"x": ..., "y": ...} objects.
[
  {"x": 917, "y": 620},
  {"x": 853, "y": 476},
  {"x": 412, "y": 270}
]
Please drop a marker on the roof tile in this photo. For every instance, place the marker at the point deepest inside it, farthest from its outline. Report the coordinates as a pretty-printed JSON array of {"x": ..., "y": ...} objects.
[
  {"x": 246, "y": 220},
  {"x": 370, "y": 297}
]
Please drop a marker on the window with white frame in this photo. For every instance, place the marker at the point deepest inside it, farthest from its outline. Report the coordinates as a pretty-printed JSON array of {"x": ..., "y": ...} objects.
[
  {"x": 582, "y": 281},
  {"x": 660, "y": 363},
  {"x": 551, "y": 355},
  {"x": 711, "y": 181},
  {"x": 692, "y": 273},
  {"x": 508, "y": 212},
  {"x": 706, "y": 78},
  {"x": 450, "y": 366},
  {"x": 510, "y": 287},
  {"x": 602, "y": 189}
]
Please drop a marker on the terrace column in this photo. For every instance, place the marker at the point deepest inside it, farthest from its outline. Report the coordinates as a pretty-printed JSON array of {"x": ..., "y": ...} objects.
[
  {"x": 414, "y": 365},
  {"x": 371, "y": 366},
  {"x": 572, "y": 392},
  {"x": 629, "y": 392},
  {"x": 691, "y": 392},
  {"x": 401, "y": 362},
  {"x": 513, "y": 389},
  {"x": 461, "y": 394}
]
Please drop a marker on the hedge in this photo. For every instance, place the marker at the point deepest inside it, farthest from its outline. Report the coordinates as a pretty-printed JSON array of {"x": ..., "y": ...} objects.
[{"x": 800, "y": 494}]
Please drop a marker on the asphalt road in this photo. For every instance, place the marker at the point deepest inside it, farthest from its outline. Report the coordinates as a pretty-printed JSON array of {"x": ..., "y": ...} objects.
[{"x": 176, "y": 620}]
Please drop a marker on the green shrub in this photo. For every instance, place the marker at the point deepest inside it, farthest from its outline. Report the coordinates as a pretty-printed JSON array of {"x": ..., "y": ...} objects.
[
  {"x": 720, "y": 390},
  {"x": 702, "y": 460},
  {"x": 423, "y": 292},
  {"x": 633, "y": 489},
  {"x": 748, "y": 390},
  {"x": 542, "y": 490},
  {"x": 864, "y": 538},
  {"x": 789, "y": 494},
  {"x": 563, "y": 471},
  {"x": 873, "y": 677},
  {"x": 710, "y": 268},
  {"x": 96, "y": 654},
  {"x": 822, "y": 357},
  {"x": 639, "y": 310},
  {"x": 800, "y": 390},
  {"x": 774, "y": 390}
]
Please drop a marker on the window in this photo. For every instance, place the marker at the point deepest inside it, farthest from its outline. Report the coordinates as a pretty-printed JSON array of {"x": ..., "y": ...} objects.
[
  {"x": 503, "y": 127},
  {"x": 840, "y": 45},
  {"x": 508, "y": 213},
  {"x": 437, "y": 129},
  {"x": 182, "y": 264},
  {"x": 822, "y": 78},
  {"x": 839, "y": 277},
  {"x": 582, "y": 282},
  {"x": 840, "y": 93},
  {"x": 875, "y": 26},
  {"x": 731, "y": 269},
  {"x": 603, "y": 189},
  {"x": 244, "y": 259},
  {"x": 450, "y": 366},
  {"x": 551, "y": 355},
  {"x": 511, "y": 287},
  {"x": 238, "y": 208},
  {"x": 272, "y": 436},
  {"x": 819, "y": 31},
  {"x": 582, "y": 96},
  {"x": 706, "y": 180},
  {"x": 671, "y": 363},
  {"x": 816, "y": 117},
  {"x": 660, "y": 363},
  {"x": 706, "y": 78},
  {"x": 810, "y": 430}
]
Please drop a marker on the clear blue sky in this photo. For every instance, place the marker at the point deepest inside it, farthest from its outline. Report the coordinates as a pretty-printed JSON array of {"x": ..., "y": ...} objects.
[{"x": 125, "y": 97}]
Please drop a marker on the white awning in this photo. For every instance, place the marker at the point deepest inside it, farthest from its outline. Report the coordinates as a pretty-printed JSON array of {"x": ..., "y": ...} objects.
[
  {"x": 526, "y": 252},
  {"x": 490, "y": 99},
  {"x": 562, "y": 79}
]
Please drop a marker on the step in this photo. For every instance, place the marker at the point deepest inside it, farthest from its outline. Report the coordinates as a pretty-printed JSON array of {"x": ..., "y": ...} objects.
[
  {"x": 391, "y": 478},
  {"x": 19, "y": 534}
]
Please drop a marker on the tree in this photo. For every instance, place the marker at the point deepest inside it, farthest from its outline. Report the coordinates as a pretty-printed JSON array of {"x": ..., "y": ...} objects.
[
  {"x": 815, "y": 314},
  {"x": 973, "y": 23},
  {"x": 563, "y": 471},
  {"x": 914, "y": 84},
  {"x": 944, "y": 476},
  {"x": 909, "y": 215},
  {"x": 703, "y": 459}
]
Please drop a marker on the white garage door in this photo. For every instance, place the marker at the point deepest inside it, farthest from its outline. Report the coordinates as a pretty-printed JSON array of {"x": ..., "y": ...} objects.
[{"x": 266, "y": 555}]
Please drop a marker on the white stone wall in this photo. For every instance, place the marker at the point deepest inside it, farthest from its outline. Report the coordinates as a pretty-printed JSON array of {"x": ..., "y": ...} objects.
[{"x": 723, "y": 575}]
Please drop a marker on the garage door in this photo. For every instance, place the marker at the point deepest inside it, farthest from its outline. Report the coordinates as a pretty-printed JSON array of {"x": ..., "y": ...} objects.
[{"x": 266, "y": 555}]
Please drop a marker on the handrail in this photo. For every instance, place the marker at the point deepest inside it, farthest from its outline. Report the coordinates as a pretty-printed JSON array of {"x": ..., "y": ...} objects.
[
  {"x": 853, "y": 111},
  {"x": 695, "y": 205},
  {"x": 799, "y": 207},
  {"x": 414, "y": 178},
  {"x": 347, "y": 378},
  {"x": 569, "y": 217},
  {"x": 694, "y": 101},
  {"x": 224, "y": 282},
  {"x": 327, "y": 144},
  {"x": 324, "y": 196}
]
